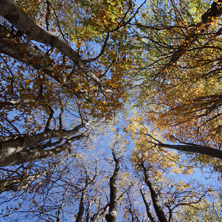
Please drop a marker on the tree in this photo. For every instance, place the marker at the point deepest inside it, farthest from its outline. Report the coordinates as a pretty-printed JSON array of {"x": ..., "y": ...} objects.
[
  {"x": 164, "y": 196},
  {"x": 180, "y": 80},
  {"x": 44, "y": 74},
  {"x": 82, "y": 186}
]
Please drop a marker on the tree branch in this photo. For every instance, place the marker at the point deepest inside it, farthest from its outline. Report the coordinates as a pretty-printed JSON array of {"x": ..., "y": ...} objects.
[
  {"x": 188, "y": 147},
  {"x": 16, "y": 16},
  {"x": 213, "y": 13},
  {"x": 194, "y": 149}
]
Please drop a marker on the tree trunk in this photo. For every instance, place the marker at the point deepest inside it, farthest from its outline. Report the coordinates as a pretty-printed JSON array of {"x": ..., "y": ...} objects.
[
  {"x": 21, "y": 149},
  {"x": 158, "y": 209},
  {"x": 112, "y": 215}
]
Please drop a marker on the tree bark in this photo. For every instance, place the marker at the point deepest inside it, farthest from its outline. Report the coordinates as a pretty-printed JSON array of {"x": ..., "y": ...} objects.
[
  {"x": 149, "y": 214},
  {"x": 81, "y": 205},
  {"x": 112, "y": 215},
  {"x": 19, "y": 150},
  {"x": 195, "y": 149},
  {"x": 188, "y": 147},
  {"x": 13, "y": 103},
  {"x": 37, "y": 153},
  {"x": 157, "y": 206}
]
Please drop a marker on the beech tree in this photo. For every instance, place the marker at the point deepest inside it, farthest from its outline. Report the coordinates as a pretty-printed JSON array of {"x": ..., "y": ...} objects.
[
  {"x": 79, "y": 186},
  {"x": 166, "y": 199},
  {"x": 57, "y": 64},
  {"x": 61, "y": 73},
  {"x": 180, "y": 81}
]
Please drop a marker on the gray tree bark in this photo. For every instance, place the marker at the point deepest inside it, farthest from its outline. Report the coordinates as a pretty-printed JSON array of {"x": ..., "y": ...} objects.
[
  {"x": 188, "y": 147},
  {"x": 157, "y": 206},
  {"x": 27, "y": 148},
  {"x": 112, "y": 215},
  {"x": 195, "y": 149}
]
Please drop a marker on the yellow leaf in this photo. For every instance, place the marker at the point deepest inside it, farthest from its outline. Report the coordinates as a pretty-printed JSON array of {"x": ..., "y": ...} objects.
[
  {"x": 87, "y": 35},
  {"x": 27, "y": 81},
  {"x": 24, "y": 10},
  {"x": 78, "y": 44},
  {"x": 56, "y": 51}
]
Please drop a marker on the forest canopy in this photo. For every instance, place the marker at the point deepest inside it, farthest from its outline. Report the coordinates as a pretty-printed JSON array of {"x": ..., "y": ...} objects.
[{"x": 110, "y": 110}]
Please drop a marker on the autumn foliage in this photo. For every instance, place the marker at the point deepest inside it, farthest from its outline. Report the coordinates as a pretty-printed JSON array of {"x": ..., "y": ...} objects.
[{"x": 110, "y": 110}]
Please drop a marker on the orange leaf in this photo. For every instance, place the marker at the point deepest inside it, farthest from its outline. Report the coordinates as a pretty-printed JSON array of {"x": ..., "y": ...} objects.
[
  {"x": 78, "y": 44},
  {"x": 100, "y": 23}
]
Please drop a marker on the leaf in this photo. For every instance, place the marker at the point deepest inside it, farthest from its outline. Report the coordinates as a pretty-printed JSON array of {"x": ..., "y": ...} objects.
[
  {"x": 56, "y": 51},
  {"x": 100, "y": 23},
  {"x": 78, "y": 44}
]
